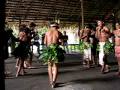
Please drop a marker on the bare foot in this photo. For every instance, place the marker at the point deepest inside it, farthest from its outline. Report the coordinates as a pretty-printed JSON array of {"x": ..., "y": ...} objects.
[
  {"x": 16, "y": 66},
  {"x": 107, "y": 70},
  {"x": 16, "y": 75},
  {"x": 31, "y": 67},
  {"x": 19, "y": 74},
  {"x": 53, "y": 85}
]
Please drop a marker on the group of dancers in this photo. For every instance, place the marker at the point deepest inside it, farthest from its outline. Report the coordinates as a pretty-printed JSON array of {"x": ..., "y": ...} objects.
[
  {"x": 53, "y": 39},
  {"x": 96, "y": 41},
  {"x": 99, "y": 37}
]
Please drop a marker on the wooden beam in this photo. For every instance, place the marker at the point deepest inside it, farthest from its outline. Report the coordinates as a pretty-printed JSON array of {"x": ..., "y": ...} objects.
[{"x": 82, "y": 14}]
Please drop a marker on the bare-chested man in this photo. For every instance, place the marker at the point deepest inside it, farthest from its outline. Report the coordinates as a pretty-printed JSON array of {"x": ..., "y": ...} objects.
[
  {"x": 102, "y": 34},
  {"x": 52, "y": 37},
  {"x": 117, "y": 45},
  {"x": 85, "y": 36}
]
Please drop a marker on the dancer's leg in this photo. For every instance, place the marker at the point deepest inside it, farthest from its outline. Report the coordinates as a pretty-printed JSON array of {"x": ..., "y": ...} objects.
[
  {"x": 55, "y": 72},
  {"x": 50, "y": 72},
  {"x": 19, "y": 68}
]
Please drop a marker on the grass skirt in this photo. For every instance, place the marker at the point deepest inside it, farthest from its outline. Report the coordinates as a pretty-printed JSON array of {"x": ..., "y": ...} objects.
[
  {"x": 107, "y": 48},
  {"x": 21, "y": 51},
  {"x": 52, "y": 53},
  {"x": 84, "y": 45}
]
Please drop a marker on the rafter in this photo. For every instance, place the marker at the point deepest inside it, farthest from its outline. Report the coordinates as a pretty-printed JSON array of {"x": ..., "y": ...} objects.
[{"x": 62, "y": 9}]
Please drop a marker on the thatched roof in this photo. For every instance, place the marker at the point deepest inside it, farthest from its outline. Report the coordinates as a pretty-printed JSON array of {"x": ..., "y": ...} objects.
[{"x": 65, "y": 10}]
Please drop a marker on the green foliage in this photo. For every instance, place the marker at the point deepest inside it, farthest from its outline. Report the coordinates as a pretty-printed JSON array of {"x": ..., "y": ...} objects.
[
  {"x": 84, "y": 45},
  {"x": 108, "y": 47},
  {"x": 52, "y": 53},
  {"x": 81, "y": 46},
  {"x": 42, "y": 30}
]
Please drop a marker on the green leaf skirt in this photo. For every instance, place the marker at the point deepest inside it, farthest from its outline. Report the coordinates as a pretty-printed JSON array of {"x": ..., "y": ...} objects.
[
  {"x": 84, "y": 45},
  {"x": 52, "y": 53},
  {"x": 108, "y": 47}
]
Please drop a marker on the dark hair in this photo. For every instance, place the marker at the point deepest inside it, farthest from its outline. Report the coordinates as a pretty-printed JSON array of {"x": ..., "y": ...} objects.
[
  {"x": 89, "y": 26},
  {"x": 100, "y": 20},
  {"x": 32, "y": 24},
  {"x": 6, "y": 23},
  {"x": 22, "y": 27}
]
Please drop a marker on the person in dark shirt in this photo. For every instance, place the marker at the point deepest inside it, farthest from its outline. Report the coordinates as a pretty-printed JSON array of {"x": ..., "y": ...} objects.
[
  {"x": 31, "y": 35},
  {"x": 42, "y": 42},
  {"x": 65, "y": 43},
  {"x": 11, "y": 39},
  {"x": 36, "y": 42}
]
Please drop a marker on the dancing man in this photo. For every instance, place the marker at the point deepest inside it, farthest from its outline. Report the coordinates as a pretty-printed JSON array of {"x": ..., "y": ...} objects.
[
  {"x": 52, "y": 37},
  {"x": 102, "y": 34},
  {"x": 85, "y": 36}
]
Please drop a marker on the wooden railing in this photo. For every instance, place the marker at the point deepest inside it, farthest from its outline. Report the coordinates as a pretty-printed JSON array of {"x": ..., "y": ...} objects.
[{"x": 73, "y": 48}]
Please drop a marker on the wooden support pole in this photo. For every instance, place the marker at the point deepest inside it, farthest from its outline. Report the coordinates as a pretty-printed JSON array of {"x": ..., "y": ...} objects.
[
  {"x": 114, "y": 20},
  {"x": 19, "y": 22},
  {"x": 79, "y": 28},
  {"x": 82, "y": 14},
  {"x": 82, "y": 19},
  {"x": 3, "y": 42}
]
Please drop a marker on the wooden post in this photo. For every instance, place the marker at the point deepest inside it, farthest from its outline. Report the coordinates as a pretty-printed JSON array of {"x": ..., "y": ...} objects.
[
  {"x": 79, "y": 24},
  {"x": 79, "y": 28},
  {"x": 2, "y": 44},
  {"x": 19, "y": 22},
  {"x": 82, "y": 13},
  {"x": 82, "y": 19},
  {"x": 114, "y": 20}
]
